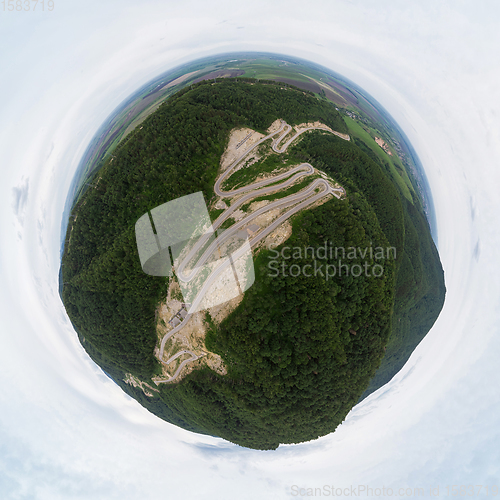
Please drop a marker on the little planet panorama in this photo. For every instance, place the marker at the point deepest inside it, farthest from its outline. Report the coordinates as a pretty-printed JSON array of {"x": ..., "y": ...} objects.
[{"x": 249, "y": 249}]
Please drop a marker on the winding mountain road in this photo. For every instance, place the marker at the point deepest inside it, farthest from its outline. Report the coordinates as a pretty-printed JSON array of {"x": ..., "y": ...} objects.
[{"x": 318, "y": 189}]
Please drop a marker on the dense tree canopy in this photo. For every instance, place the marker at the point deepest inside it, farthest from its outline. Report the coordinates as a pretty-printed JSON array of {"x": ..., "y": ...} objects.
[{"x": 300, "y": 350}]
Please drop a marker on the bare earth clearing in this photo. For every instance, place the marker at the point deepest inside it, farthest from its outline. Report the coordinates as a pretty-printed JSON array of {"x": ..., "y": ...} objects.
[{"x": 383, "y": 145}]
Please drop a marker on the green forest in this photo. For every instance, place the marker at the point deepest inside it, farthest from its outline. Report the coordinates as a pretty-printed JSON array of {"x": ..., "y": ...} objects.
[{"x": 300, "y": 351}]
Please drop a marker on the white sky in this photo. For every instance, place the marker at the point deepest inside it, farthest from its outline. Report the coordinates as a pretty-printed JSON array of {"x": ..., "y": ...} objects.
[{"x": 66, "y": 430}]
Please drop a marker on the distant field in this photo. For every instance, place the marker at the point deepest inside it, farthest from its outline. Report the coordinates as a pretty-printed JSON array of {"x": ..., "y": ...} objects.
[
  {"x": 399, "y": 173},
  {"x": 311, "y": 78},
  {"x": 221, "y": 73}
]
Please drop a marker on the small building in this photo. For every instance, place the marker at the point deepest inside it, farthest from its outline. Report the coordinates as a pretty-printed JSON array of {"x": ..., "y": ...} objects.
[{"x": 174, "y": 321}]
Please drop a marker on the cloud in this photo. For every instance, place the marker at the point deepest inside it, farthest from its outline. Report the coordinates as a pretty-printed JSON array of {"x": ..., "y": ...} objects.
[
  {"x": 20, "y": 199},
  {"x": 477, "y": 251}
]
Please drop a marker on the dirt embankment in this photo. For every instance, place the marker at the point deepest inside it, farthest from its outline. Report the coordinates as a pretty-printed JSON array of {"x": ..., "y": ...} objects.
[
  {"x": 383, "y": 145},
  {"x": 240, "y": 140},
  {"x": 191, "y": 337}
]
